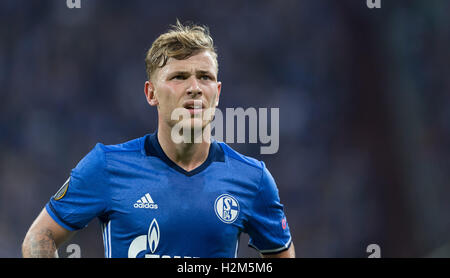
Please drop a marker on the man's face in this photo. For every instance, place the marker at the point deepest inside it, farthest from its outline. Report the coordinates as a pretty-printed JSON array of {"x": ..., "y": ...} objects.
[{"x": 187, "y": 86}]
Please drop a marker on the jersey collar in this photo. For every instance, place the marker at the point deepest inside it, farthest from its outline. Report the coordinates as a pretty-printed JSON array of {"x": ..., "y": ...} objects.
[{"x": 153, "y": 148}]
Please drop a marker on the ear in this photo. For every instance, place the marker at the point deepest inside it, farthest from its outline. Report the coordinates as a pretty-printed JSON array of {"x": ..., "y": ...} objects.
[
  {"x": 149, "y": 90},
  {"x": 219, "y": 88}
]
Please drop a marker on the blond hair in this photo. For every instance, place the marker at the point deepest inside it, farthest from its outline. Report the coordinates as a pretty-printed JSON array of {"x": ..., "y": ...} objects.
[{"x": 180, "y": 42}]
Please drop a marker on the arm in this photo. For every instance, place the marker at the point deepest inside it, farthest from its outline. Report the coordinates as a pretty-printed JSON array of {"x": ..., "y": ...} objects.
[
  {"x": 44, "y": 237},
  {"x": 289, "y": 253}
]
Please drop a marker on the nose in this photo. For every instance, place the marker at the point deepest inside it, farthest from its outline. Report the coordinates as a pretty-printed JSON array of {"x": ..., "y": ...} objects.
[{"x": 193, "y": 88}]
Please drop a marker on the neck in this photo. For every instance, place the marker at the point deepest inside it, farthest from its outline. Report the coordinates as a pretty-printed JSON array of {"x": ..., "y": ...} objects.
[{"x": 186, "y": 155}]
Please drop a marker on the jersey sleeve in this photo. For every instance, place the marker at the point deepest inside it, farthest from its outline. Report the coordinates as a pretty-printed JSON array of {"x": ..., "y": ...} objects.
[
  {"x": 267, "y": 225},
  {"x": 84, "y": 195}
]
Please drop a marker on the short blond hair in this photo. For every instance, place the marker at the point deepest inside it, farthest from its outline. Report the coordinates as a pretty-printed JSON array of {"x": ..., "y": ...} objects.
[{"x": 179, "y": 42}]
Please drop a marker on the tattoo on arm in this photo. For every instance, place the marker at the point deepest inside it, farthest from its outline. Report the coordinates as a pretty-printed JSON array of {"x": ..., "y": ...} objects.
[{"x": 41, "y": 245}]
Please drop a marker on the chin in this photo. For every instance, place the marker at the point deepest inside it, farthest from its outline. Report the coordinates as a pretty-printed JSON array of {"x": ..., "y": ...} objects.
[
  {"x": 192, "y": 124},
  {"x": 189, "y": 131}
]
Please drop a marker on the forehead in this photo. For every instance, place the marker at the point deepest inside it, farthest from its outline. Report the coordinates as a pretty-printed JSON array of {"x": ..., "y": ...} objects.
[{"x": 202, "y": 61}]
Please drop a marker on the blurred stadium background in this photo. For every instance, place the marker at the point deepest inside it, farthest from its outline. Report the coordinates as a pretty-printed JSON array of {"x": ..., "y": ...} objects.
[{"x": 364, "y": 98}]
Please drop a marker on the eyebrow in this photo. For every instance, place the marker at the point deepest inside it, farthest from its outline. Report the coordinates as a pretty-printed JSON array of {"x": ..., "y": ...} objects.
[
  {"x": 206, "y": 72},
  {"x": 198, "y": 72}
]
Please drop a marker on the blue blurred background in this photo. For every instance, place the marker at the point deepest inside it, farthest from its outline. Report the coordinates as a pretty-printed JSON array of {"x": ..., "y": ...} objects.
[{"x": 364, "y": 98}]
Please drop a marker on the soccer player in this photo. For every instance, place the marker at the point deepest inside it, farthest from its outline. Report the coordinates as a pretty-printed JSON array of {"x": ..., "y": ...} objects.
[{"x": 157, "y": 196}]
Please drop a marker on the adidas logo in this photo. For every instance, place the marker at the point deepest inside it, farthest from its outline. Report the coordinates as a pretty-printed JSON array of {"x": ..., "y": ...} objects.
[{"x": 145, "y": 201}]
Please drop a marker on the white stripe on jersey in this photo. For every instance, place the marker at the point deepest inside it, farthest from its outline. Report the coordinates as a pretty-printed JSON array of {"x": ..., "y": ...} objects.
[{"x": 106, "y": 233}]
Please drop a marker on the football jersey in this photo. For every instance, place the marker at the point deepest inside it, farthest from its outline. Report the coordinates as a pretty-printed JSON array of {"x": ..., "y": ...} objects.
[{"x": 150, "y": 207}]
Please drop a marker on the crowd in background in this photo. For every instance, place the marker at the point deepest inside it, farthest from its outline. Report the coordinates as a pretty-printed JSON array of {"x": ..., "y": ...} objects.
[{"x": 364, "y": 99}]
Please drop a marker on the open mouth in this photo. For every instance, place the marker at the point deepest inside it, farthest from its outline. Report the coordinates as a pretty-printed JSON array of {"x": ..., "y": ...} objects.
[{"x": 194, "y": 106}]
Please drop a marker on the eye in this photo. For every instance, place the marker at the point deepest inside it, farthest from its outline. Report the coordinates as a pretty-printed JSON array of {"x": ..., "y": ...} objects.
[
  {"x": 205, "y": 77},
  {"x": 178, "y": 77}
]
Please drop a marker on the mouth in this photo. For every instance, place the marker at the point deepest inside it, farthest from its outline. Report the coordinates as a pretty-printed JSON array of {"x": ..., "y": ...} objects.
[{"x": 194, "y": 106}]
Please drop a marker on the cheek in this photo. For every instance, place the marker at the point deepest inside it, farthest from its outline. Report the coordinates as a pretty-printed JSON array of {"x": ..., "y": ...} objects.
[
  {"x": 212, "y": 96},
  {"x": 166, "y": 96},
  {"x": 168, "y": 101}
]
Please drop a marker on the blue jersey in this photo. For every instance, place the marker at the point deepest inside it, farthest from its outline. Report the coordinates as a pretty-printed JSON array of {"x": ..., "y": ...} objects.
[{"x": 148, "y": 206}]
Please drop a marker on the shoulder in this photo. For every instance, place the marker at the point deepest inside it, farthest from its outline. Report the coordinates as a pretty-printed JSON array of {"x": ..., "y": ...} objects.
[
  {"x": 254, "y": 169},
  {"x": 241, "y": 160},
  {"x": 134, "y": 145},
  {"x": 121, "y": 151},
  {"x": 98, "y": 156}
]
